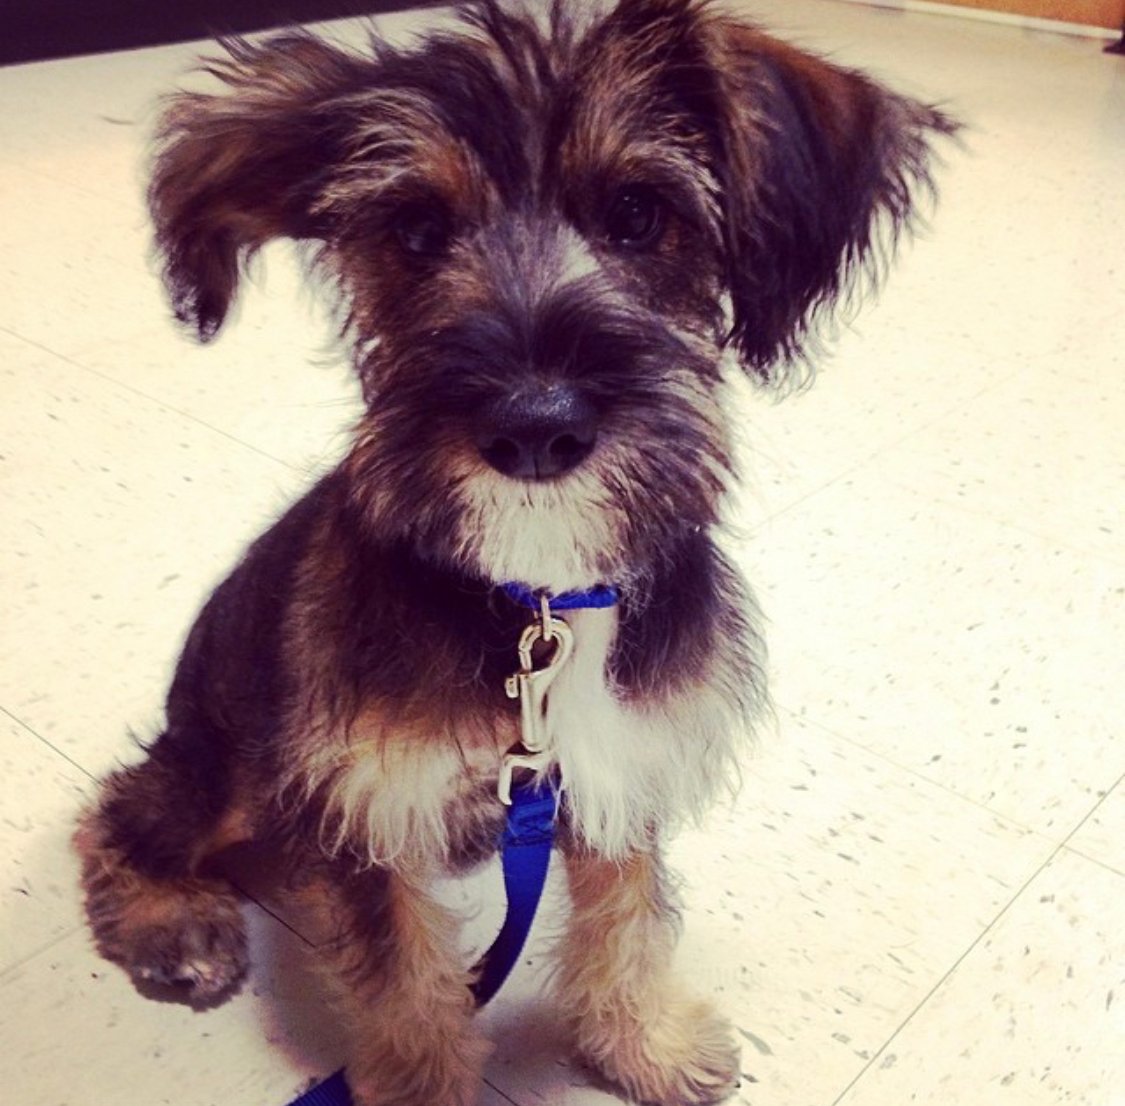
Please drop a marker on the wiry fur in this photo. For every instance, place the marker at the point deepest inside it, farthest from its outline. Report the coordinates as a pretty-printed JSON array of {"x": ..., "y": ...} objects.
[{"x": 605, "y": 205}]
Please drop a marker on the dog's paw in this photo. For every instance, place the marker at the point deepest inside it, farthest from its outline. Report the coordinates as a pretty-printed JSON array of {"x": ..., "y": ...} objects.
[
  {"x": 433, "y": 1070},
  {"x": 202, "y": 964},
  {"x": 686, "y": 1057},
  {"x": 189, "y": 941}
]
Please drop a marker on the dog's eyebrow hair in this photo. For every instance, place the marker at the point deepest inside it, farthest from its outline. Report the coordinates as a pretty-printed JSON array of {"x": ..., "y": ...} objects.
[{"x": 471, "y": 100}]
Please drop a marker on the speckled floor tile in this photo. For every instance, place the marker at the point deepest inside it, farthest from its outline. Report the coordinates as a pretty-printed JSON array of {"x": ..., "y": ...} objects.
[
  {"x": 125, "y": 514},
  {"x": 260, "y": 1048},
  {"x": 820, "y": 911},
  {"x": 1043, "y": 451},
  {"x": 121, "y": 1047},
  {"x": 838, "y": 891},
  {"x": 85, "y": 121},
  {"x": 999, "y": 286},
  {"x": 90, "y": 283},
  {"x": 933, "y": 532},
  {"x": 40, "y": 794},
  {"x": 275, "y": 378},
  {"x": 1033, "y": 1016},
  {"x": 978, "y": 655}
]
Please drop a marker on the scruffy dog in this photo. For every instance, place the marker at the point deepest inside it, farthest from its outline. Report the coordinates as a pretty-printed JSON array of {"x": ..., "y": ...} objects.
[{"x": 552, "y": 234}]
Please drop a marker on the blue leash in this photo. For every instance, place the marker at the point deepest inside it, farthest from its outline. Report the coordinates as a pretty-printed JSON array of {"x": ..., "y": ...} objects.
[
  {"x": 525, "y": 845},
  {"x": 332, "y": 1092}
]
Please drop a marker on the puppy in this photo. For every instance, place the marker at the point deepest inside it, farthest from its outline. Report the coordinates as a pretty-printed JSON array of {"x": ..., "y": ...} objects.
[{"x": 552, "y": 234}]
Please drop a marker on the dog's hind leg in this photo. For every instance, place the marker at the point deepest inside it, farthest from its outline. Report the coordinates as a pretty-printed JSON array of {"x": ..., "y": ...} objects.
[
  {"x": 143, "y": 844},
  {"x": 394, "y": 966},
  {"x": 630, "y": 1019}
]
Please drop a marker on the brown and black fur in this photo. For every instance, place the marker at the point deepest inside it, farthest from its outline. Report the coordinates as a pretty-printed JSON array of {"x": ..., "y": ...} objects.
[{"x": 592, "y": 213}]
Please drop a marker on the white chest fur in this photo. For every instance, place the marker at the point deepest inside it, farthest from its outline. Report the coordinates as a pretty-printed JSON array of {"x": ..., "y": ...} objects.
[{"x": 630, "y": 766}]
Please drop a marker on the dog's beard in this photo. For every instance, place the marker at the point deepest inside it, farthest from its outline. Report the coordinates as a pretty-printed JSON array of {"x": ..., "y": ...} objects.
[
  {"x": 560, "y": 534},
  {"x": 660, "y": 466},
  {"x": 605, "y": 522}
]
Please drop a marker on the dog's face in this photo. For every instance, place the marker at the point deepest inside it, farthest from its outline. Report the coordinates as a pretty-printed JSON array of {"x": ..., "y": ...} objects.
[{"x": 549, "y": 236}]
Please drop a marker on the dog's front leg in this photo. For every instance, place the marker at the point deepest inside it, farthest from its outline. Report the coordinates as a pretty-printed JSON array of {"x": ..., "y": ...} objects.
[
  {"x": 402, "y": 991},
  {"x": 629, "y": 1017}
]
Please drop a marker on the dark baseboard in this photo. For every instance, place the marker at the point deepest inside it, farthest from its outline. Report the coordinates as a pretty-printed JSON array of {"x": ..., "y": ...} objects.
[{"x": 33, "y": 30}]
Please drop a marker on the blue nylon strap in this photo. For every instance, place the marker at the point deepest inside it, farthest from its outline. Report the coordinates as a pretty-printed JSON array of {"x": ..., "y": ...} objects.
[
  {"x": 526, "y": 853},
  {"x": 603, "y": 595},
  {"x": 332, "y": 1092}
]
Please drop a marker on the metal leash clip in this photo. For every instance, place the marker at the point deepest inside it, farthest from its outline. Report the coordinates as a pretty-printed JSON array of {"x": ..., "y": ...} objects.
[{"x": 529, "y": 685}]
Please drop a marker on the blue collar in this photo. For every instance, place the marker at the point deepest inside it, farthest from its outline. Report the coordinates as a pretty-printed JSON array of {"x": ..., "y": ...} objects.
[{"x": 597, "y": 597}]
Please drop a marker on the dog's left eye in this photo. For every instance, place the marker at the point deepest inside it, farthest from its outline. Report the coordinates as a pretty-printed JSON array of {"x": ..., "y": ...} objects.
[
  {"x": 423, "y": 231},
  {"x": 635, "y": 218}
]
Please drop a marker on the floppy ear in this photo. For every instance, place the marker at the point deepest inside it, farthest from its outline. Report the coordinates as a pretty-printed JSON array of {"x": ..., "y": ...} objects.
[
  {"x": 821, "y": 170},
  {"x": 239, "y": 167}
]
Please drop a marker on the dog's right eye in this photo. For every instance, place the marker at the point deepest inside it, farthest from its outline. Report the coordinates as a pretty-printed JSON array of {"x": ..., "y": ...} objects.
[
  {"x": 423, "y": 231},
  {"x": 635, "y": 219}
]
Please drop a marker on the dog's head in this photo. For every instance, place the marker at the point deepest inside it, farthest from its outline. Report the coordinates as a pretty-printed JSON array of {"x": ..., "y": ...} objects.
[{"x": 549, "y": 234}]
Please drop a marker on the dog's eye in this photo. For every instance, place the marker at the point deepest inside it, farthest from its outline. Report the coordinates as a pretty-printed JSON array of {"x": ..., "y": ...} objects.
[
  {"x": 423, "y": 231},
  {"x": 635, "y": 218}
]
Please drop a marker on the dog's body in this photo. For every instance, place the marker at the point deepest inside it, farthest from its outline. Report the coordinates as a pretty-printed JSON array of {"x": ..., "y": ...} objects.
[{"x": 548, "y": 240}]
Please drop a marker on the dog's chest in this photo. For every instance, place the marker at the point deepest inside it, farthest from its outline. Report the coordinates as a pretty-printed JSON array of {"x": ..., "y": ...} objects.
[
  {"x": 627, "y": 764},
  {"x": 584, "y": 729},
  {"x": 580, "y": 701}
]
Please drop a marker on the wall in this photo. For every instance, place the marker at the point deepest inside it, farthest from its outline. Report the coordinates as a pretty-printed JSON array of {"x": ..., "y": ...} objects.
[{"x": 1100, "y": 13}]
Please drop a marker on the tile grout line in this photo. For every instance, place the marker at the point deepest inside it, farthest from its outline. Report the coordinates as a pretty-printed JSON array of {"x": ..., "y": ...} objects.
[
  {"x": 953, "y": 504},
  {"x": 505, "y": 1097},
  {"x": 1007, "y": 524},
  {"x": 302, "y": 469},
  {"x": 893, "y": 443},
  {"x": 89, "y": 775},
  {"x": 121, "y": 206},
  {"x": 251, "y": 898},
  {"x": 757, "y": 530},
  {"x": 947, "y": 974},
  {"x": 1063, "y": 845},
  {"x": 922, "y": 777},
  {"x": 50, "y": 745},
  {"x": 70, "y": 360},
  {"x": 1119, "y": 782},
  {"x": 8, "y": 969},
  {"x": 1094, "y": 860},
  {"x": 752, "y": 531}
]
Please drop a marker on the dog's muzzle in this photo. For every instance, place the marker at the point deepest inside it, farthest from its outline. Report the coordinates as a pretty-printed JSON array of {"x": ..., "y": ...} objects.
[{"x": 538, "y": 433}]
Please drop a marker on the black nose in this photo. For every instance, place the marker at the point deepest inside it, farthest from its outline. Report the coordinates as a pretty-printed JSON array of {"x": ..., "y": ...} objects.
[{"x": 538, "y": 433}]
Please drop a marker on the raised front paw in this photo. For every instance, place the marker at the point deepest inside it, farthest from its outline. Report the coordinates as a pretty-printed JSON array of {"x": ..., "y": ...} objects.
[
  {"x": 204, "y": 960},
  {"x": 185, "y": 936}
]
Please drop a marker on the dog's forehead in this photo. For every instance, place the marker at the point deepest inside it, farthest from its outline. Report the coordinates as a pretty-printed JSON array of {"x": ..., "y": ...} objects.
[{"x": 521, "y": 100}]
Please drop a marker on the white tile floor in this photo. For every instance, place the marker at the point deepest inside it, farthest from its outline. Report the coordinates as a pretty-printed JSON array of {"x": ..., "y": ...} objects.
[{"x": 920, "y": 895}]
